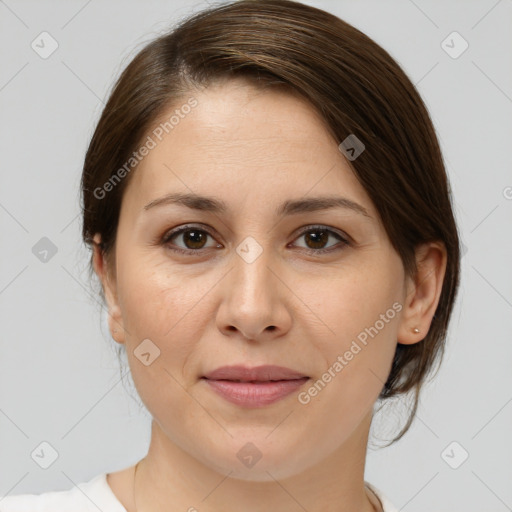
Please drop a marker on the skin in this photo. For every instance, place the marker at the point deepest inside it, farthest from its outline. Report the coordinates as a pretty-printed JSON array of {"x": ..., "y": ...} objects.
[{"x": 255, "y": 149}]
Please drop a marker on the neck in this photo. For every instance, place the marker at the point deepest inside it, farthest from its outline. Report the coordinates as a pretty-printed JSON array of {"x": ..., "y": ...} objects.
[{"x": 169, "y": 476}]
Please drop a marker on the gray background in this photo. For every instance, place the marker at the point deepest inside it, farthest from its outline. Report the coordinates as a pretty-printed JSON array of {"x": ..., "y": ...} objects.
[{"x": 59, "y": 377}]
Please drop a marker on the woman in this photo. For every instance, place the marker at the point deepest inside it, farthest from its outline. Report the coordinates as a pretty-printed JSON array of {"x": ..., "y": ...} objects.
[{"x": 271, "y": 223}]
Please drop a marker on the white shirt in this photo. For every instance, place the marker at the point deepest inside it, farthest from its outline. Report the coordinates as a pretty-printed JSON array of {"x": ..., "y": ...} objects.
[{"x": 93, "y": 496}]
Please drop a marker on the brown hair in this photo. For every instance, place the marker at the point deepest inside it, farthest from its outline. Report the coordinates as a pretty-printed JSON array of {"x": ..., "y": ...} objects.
[{"x": 355, "y": 85}]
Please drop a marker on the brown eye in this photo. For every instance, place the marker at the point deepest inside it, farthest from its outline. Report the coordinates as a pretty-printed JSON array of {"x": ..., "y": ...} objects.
[
  {"x": 192, "y": 239},
  {"x": 317, "y": 237}
]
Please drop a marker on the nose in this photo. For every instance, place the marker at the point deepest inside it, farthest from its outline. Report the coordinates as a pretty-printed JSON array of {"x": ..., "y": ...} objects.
[{"x": 255, "y": 301}]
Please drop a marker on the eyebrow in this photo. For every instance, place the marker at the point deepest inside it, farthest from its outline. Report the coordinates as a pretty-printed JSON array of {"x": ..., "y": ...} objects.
[{"x": 290, "y": 207}]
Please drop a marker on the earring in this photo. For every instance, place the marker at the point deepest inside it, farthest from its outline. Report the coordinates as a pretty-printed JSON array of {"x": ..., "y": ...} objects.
[{"x": 416, "y": 330}]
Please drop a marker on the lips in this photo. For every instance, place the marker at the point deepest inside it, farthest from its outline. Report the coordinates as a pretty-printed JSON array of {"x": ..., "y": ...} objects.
[
  {"x": 254, "y": 387},
  {"x": 263, "y": 373}
]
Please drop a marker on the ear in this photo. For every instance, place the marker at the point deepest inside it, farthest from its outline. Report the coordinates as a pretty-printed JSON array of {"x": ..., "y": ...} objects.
[
  {"x": 423, "y": 292},
  {"x": 108, "y": 283}
]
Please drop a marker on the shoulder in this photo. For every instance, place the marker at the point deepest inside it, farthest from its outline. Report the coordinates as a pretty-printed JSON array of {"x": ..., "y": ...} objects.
[
  {"x": 386, "y": 504},
  {"x": 85, "y": 497}
]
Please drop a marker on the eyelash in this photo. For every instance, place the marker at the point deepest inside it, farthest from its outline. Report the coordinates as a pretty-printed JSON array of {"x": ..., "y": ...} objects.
[{"x": 311, "y": 229}]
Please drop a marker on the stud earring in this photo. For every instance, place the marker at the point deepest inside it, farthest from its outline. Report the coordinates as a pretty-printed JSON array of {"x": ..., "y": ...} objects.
[{"x": 416, "y": 330}]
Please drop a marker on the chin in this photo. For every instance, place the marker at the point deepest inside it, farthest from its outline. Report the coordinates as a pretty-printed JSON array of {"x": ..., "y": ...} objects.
[{"x": 256, "y": 458}]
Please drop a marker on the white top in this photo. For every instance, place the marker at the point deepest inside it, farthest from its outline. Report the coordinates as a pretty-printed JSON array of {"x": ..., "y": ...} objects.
[{"x": 91, "y": 496}]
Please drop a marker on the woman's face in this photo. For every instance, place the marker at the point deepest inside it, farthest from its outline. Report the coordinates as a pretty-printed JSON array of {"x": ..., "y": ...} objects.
[{"x": 273, "y": 278}]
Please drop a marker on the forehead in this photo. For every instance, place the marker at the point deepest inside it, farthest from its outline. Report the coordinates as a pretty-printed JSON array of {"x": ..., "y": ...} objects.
[{"x": 244, "y": 142}]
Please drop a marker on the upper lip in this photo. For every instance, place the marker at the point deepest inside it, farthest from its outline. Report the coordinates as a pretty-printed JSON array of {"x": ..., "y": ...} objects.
[{"x": 258, "y": 373}]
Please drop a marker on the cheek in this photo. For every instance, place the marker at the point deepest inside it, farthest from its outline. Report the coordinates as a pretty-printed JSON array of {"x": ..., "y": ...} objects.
[
  {"x": 163, "y": 315},
  {"x": 357, "y": 301},
  {"x": 360, "y": 325},
  {"x": 357, "y": 361},
  {"x": 157, "y": 298}
]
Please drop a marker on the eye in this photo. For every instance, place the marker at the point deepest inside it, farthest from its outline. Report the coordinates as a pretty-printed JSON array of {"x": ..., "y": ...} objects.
[
  {"x": 317, "y": 236},
  {"x": 193, "y": 238}
]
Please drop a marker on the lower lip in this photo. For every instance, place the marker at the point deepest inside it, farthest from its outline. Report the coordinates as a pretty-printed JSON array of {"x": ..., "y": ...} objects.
[{"x": 255, "y": 394}]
